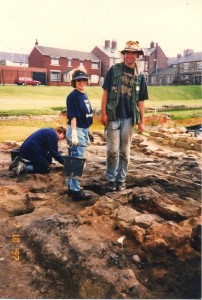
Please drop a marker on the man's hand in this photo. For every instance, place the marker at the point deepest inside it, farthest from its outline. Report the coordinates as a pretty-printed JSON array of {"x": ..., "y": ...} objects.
[
  {"x": 140, "y": 127},
  {"x": 75, "y": 139},
  {"x": 91, "y": 137},
  {"x": 104, "y": 119}
]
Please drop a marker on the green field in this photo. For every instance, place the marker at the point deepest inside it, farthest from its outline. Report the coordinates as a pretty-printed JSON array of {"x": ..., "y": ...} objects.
[
  {"x": 39, "y": 100},
  {"x": 46, "y": 100}
]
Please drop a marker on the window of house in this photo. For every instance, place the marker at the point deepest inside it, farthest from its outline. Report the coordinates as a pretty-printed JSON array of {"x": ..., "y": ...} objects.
[
  {"x": 81, "y": 63},
  {"x": 141, "y": 65},
  {"x": 55, "y": 61},
  {"x": 67, "y": 77},
  {"x": 95, "y": 65},
  {"x": 153, "y": 80},
  {"x": 186, "y": 67},
  {"x": 69, "y": 63},
  {"x": 199, "y": 66},
  {"x": 55, "y": 75},
  {"x": 185, "y": 77},
  {"x": 94, "y": 79},
  {"x": 169, "y": 79}
]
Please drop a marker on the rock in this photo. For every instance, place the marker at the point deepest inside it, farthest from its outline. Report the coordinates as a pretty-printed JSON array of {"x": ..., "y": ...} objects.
[{"x": 127, "y": 214}]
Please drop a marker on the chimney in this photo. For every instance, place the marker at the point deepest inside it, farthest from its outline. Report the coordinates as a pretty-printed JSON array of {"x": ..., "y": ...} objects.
[
  {"x": 152, "y": 45},
  {"x": 179, "y": 55},
  {"x": 114, "y": 44},
  {"x": 107, "y": 44},
  {"x": 188, "y": 52},
  {"x": 36, "y": 43}
]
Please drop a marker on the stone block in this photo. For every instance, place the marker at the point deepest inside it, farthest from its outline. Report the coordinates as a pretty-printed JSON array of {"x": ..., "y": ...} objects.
[
  {"x": 159, "y": 139},
  {"x": 197, "y": 147},
  {"x": 191, "y": 140},
  {"x": 183, "y": 145},
  {"x": 175, "y": 137},
  {"x": 172, "y": 142},
  {"x": 154, "y": 133},
  {"x": 165, "y": 142},
  {"x": 182, "y": 138}
]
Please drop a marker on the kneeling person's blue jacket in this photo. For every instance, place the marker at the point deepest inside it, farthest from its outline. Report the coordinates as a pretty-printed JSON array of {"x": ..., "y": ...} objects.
[{"x": 44, "y": 142}]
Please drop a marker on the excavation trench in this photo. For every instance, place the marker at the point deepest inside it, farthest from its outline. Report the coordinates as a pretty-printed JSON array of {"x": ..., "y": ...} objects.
[{"x": 143, "y": 242}]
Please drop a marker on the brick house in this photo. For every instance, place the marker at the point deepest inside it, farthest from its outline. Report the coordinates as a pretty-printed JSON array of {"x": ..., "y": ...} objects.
[
  {"x": 184, "y": 69},
  {"x": 190, "y": 67},
  {"x": 54, "y": 66},
  {"x": 108, "y": 55},
  {"x": 152, "y": 62},
  {"x": 60, "y": 63}
]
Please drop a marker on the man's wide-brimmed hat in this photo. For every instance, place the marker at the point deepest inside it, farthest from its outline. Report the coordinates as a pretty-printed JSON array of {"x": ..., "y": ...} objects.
[
  {"x": 79, "y": 75},
  {"x": 132, "y": 47}
]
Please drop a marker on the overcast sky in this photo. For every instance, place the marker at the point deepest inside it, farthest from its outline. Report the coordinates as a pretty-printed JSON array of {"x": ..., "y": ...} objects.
[{"x": 83, "y": 24}]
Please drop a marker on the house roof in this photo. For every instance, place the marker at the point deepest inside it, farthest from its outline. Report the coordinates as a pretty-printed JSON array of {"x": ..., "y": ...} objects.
[
  {"x": 148, "y": 51},
  {"x": 110, "y": 52},
  {"x": 173, "y": 61},
  {"x": 194, "y": 56},
  {"x": 57, "y": 52},
  {"x": 14, "y": 57}
]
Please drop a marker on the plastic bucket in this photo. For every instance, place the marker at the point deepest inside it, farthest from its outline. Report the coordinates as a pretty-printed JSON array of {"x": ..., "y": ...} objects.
[
  {"x": 14, "y": 153},
  {"x": 73, "y": 166}
]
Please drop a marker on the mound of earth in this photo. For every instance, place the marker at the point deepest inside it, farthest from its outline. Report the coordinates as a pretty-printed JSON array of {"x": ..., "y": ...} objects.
[{"x": 143, "y": 242}]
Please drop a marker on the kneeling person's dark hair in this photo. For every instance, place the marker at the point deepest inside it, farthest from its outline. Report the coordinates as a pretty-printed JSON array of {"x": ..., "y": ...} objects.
[{"x": 60, "y": 129}]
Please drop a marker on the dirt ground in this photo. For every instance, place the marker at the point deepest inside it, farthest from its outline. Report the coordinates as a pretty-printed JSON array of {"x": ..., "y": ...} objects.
[{"x": 140, "y": 243}]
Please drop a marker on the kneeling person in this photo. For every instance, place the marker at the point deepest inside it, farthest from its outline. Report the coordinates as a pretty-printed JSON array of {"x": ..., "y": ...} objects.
[{"x": 37, "y": 151}]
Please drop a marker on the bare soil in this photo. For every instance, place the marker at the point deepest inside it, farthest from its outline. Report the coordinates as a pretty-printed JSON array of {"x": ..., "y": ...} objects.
[{"x": 140, "y": 243}]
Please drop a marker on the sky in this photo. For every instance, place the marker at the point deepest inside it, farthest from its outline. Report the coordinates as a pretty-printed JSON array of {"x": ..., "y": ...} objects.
[{"x": 81, "y": 25}]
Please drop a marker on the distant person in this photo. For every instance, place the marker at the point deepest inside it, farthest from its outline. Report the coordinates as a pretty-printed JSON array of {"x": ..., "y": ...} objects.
[
  {"x": 80, "y": 118},
  {"x": 122, "y": 107},
  {"x": 37, "y": 151}
]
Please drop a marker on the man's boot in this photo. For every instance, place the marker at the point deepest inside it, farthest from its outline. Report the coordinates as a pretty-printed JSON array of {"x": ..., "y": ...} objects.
[{"x": 80, "y": 195}]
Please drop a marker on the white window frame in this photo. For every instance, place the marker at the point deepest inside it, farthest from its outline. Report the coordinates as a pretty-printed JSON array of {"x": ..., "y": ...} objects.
[
  {"x": 69, "y": 62},
  {"x": 81, "y": 63},
  {"x": 56, "y": 76},
  {"x": 95, "y": 65},
  {"x": 199, "y": 66},
  {"x": 186, "y": 67},
  {"x": 94, "y": 78},
  {"x": 55, "y": 61}
]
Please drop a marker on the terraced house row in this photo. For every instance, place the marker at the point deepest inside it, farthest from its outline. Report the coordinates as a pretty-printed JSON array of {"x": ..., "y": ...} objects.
[{"x": 54, "y": 66}]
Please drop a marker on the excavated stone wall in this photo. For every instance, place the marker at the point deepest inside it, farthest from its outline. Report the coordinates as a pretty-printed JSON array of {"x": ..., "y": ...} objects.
[{"x": 177, "y": 137}]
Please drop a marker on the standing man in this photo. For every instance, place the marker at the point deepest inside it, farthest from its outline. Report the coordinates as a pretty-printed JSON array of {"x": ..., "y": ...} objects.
[{"x": 122, "y": 107}]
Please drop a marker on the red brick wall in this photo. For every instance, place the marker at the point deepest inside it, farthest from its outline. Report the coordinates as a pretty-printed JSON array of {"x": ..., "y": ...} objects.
[
  {"x": 161, "y": 59},
  {"x": 35, "y": 59},
  {"x": 105, "y": 60},
  {"x": 9, "y": 73}
]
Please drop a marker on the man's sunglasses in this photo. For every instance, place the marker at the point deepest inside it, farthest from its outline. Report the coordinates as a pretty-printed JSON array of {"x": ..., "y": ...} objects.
[{"x": 79, "y": 80}]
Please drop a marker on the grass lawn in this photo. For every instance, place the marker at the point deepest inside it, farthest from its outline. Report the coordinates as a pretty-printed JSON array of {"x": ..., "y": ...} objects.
[
  {"x": 38, "y": 100},
  {"x": 46, "y": 100}
]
